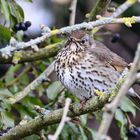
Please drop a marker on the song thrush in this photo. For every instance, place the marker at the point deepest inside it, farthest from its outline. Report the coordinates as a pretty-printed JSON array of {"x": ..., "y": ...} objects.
[{"x": 85, "y": 65}]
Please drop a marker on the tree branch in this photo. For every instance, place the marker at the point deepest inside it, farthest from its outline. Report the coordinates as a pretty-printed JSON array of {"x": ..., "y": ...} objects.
[
  {"x": 53, "y": 117},
  {"x": 111, "y": 108},
  {"x": 120, "y": 10},
  {"x": 32, "y": 86},
  {"x": 123, "y": 7},
  {"x": 99, "y": 9},
  {"x": 7, "y": 51},
  {"x": 31, "y": 55},
  {"x": 72, "y": 12}
]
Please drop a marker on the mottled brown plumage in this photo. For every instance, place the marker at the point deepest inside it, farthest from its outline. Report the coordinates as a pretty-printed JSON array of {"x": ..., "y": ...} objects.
[{"x": 85, "y": 65}]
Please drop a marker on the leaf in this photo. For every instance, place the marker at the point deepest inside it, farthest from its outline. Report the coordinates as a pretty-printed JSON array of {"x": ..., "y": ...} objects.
[
  {"x": 83, "y": 119},
  {"x": 73, "y": 127},
  {"x": 5, "y": 36},
  {"x": 32, "y": 137},
  {"x": 42, "y": 66},
  {"x": 6, "y": 119},
  {"x": 32, "y": 100},
  {"x": 4, "y": 93},
  {"x": 5, "y": 104},
  {"x": 83, "y": 135},
  {"x": 128, "y": 106},
  {"x": 24, "y": 79},
  {"x": 13, "y": 21},
  {"x": 14, "y": 88},
  {"x": 65, "y": 133},
  {"x": 4, "y": 99},
  {"x": 92, "y": 133},
  {"x": 1, "y": 84},
  {"x": 28, "y": 0},
  {"x": 98, "y": 114},
  {"x": 10, "y": 73},
  {"x": 5, "y": 9},
  {"x": 119, "y": 116},
  {"x": 122, "y": 123},
  {"x": 25, "y": 109},
  {"x": 54, "y": 89},
  {"x": 16, "y": 11}
]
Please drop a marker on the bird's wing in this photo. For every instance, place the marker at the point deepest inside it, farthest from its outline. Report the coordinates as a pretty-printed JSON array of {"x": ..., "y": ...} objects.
[{"x": 107, "y": 56}]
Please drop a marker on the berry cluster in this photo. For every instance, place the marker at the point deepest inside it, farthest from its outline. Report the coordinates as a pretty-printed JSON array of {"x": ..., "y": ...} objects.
[
  {"x": 133, "y": 132},
  {"x": 22, "y": 26}
]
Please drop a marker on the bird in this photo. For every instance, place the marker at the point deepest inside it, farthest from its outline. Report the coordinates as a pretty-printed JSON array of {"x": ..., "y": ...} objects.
[{"x": 85, "y": 66}]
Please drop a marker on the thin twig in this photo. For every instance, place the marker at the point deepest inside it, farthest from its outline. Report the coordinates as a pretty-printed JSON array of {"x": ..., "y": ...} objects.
[
  {"x": 32, "y": 86},
  {"x": 63, "y": 120},
  {"x": 128, "y": 119},
  {"x": 111, "y": 108},
  {"x": 99, "y": 9},
  {"x": 26, "y": 69},
  {"x": 123, "y": 7},
  {"x": 72, "y": 12}
]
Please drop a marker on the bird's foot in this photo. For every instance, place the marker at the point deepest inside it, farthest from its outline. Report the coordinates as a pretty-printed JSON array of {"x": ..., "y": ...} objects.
[{"x": 83, "y": 103}]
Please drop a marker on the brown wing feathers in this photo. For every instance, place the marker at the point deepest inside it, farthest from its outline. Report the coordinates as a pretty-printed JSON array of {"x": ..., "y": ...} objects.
[{"x": 104, "y": 54}]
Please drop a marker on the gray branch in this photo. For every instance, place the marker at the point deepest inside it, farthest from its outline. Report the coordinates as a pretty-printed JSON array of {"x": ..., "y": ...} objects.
[
  {"x": 99, "y": 9},
  {"x": 72, "y": 12},
  {"x": 8, "y": 51},
  {"x": 53, "y": 117},
  {"x": 111, "y": 108}
]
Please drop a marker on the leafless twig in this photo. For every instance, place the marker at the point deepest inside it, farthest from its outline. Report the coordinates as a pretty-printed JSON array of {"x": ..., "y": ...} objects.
[
  {"x": 63, "y": 120},
  {"x": 20, "y": 95},
  {"x": 123, "y": 7},
  {"x": 99, "y": 9},
  {"x": 72, "y": 12},
  {"x": 111, "y": 108}
]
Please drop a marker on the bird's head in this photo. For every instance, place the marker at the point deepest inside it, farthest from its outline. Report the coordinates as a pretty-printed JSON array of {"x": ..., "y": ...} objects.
[{"x": 79, "y": 40}]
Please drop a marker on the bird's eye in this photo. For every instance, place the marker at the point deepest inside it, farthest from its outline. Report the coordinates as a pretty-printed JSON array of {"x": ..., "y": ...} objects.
[{"x": 83, "y": 41}]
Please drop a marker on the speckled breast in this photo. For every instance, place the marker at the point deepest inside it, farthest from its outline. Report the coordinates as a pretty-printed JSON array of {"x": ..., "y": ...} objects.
[{"x": 86, "y": 76}]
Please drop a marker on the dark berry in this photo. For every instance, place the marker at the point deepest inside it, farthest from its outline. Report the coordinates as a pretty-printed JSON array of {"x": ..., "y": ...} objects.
[
  {"x": 132, "y": 133},
  {"x": 22, "y": 26},
  {"x": 25, "y": 35},
  {"x": 115, "y": 38},
  {"x": 17, "y": 27},
  {"x": 28, "y": 24},
  {"x": 137, "y": 129}
]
